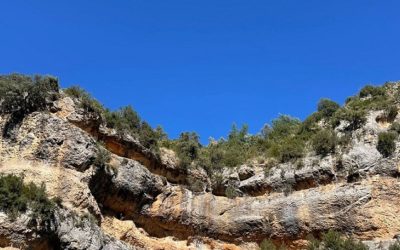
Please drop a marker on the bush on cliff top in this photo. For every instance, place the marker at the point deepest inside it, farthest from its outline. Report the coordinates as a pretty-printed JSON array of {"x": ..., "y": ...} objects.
[
  {"x": 124, "y": 120},
  {"x": 21, "y": 95},
  {"x": 25, "y": 94},
  {"x": 327, "y": 107}
]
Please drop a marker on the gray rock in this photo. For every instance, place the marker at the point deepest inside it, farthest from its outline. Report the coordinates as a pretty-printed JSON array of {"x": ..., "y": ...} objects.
[
  {"x": 77, "y": 233},
  {"x": 125, "y": 188},
  {"x": 245, "y": 172}
]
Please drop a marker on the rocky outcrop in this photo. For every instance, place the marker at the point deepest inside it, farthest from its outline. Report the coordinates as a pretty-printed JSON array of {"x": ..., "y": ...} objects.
[
  {"x": 77, "y": 233},
  {"x": 342, "y": 207},
  {"x": 126, "y": 188},
  {"x": 18, "y": 233},
  {"x": 48, "y": 138},
  {"x": 140, "y": 200},
  {"x": 68, "y": 232},
  {"x": 121, "y": 145}
]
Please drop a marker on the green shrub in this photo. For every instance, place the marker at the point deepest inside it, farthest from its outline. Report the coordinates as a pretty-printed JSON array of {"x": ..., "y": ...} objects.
[
  {"x": 373, "y": 91},
  {"x": 86, "y": 101},
  {"x": 75, "y": 92},
  {"x": 230, "y": 192},
  {"x": 327, "y": 107},
  {"x": 390, "y": 113},
  {"x": 378, "y": 100},
  {"x": 187, "y": 148},
  {"x": 269, "y": 245},
  {"x": 395, "y": 127},
  {"x": 344, "y": 140},
  {"x": 21, "y": 95},
  {"x": 313, "y": 244},
  {"x": 395, "y": 246},
  {"x": 16, "y": 198},
  {"x": 291, "y": 149},
  {"x": 310, "y": 124},
  {"x": 335, "y": 241},
  {"x": 324, "y": 142},
  {"x": 239, "y": 147},
  {"x": 284, "y": 126},
  {"x": 127, "y": 121},
  {"x": 386, "y": 143},
  {"x": 24, "y": 94},
  {"x": 103, "y": 157},
  {"x": 355, "y": 118}
]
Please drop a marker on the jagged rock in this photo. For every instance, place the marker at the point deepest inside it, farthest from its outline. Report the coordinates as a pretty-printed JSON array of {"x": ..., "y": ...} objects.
[
  {"x": 126, "y": 188},
  {"x": 123, "y": 145},
  {"x": 67, "y": 184},
  {"x": 77, "y": 233},
  {"x": 245, "y": 172},
  {"x": 287, "y": 176},
  {"x": 198, "y": 180},
  {"x": 227, "y": 179},
  {"x": 46, "y": 137},
  {"x": 17, "y": 233}
]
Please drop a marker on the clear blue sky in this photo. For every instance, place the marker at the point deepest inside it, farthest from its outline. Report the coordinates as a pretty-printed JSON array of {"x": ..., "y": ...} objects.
[{"x": 202, "y": 65}]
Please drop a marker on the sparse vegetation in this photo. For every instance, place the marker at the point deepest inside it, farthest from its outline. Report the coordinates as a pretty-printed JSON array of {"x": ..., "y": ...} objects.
[
  {"x": 103, "y": 157},
  {"x": 386, "y": 143},
  {"x": 335, "y": 241},
  {"x": 324, "y": 142},
  {"x": 395, "y": 127},
  {"x": 187, "y": 148},
  {"x": 355, "y": 118},
  {"x": 125, "y": 120},
  {"x": 395, "y": 246},
  {"x": 391, "y": 113},
  {"x": 86, "y": 101},
  {"x": 17, "y": 197},
  {"x": 327, "y": 107},
  {"x": 371, "y": 91},
  {"x": 269, "y": 245},
  {"x": 231, "y": 192},
  {"x": 287, "y": 139},
  {"x": 21, "y": 95}
]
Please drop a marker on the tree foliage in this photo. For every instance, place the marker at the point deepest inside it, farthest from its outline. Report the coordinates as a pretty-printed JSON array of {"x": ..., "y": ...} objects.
[
  {"x": 22, "y": 95},
  {"x": 327, "y": 107}
]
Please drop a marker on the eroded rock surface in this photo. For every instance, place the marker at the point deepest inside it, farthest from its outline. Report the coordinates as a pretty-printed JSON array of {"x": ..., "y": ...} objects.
[{"x": 142, "y": 201}]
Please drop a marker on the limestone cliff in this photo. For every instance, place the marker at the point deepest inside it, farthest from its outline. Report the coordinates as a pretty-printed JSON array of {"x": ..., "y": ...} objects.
[{"x": 144, "y": 201}]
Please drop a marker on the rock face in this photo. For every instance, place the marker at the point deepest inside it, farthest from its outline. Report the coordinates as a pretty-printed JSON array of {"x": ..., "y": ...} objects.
[
  {"x": 126, "y": 189},
  {"x": 142, "y": 201},
  {"x": 83, "y": 233}
]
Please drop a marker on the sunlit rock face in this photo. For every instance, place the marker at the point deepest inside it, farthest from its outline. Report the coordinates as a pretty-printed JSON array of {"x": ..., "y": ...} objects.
[{"x": 141, "y": 200}]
